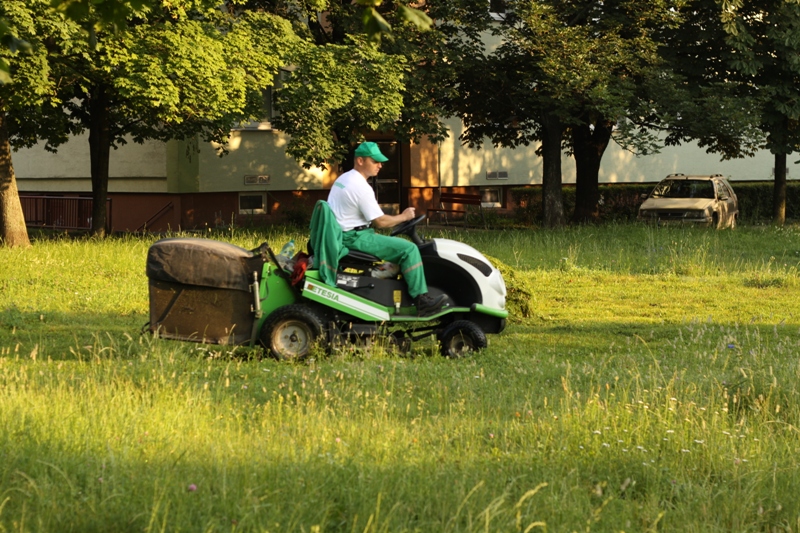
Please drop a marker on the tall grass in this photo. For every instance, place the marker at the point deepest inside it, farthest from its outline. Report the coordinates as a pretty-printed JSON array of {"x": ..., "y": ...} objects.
[{"x": 654, "y": 387}]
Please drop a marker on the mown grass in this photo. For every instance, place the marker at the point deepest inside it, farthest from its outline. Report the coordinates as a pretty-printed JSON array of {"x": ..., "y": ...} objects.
[{"x": 653, "y": 386}]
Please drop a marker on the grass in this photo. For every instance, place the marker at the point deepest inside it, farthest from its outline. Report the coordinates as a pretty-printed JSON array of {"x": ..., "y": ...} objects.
[{"x": 653, "y": 385}]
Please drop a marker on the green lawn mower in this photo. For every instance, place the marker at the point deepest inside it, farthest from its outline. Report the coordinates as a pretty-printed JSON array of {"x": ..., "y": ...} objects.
[{"x": 213, "y": 292}]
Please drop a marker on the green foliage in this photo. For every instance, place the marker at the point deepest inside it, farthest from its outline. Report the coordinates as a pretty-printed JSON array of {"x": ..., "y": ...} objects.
[
  {"x": 188, "y": 78},
  {"x": 347, "y": 89},
  {"x": 11, "y": 43},
  {"x": 756, "y": 200},
  {"x": 710, "y": 105},
  {"x": 25, "y": 22},
  {"x": 97, "y": 15},
  {"x": 611, "y": 47},
  {"x": 618, "y": 202}
]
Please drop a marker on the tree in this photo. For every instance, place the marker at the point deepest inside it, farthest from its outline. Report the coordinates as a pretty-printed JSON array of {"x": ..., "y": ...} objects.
[
  {"x": 564, "y": 74},
  {"x": 230, "y": 57},
  {"x": 12, "y": 221},
  {"x": 172, "y": 72},
  {"x": 739, "y": 59},
  {"x": 138, "y": 70},
  {"x": 346, "y": 82},
  {"x": 24, "y": 107},
  {"x": 764, "y": 37}
]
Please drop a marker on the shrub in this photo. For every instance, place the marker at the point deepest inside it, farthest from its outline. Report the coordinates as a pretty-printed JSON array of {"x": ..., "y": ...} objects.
[
  {"x": 620, "y": 202},
  {"x": 755, "y": 200}
]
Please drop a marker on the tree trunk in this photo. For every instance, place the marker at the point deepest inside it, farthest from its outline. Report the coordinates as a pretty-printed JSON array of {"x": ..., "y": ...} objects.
[
  {"x": 99, "y": 155},
  {"x": 12, "y": 221},
  {"x": 552, "y": 199},
  {"x": 588, "y": 145},
  {"x": 779, "y": 191}
]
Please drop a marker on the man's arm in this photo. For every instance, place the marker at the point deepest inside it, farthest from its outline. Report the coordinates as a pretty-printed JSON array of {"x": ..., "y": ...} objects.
[{"x": 390, "y": 221}]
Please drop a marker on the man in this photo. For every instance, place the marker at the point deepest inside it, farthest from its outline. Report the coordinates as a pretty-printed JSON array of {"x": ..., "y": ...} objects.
[{"x": 353, "y": 203}]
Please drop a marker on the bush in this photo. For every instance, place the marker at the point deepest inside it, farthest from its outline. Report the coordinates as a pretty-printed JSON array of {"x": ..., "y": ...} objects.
[
  {"x": 620, "y": 202},
  {"x": 755, "y": 200}
]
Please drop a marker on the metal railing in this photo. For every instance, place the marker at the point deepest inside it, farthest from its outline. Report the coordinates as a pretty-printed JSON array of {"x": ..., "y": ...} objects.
[
  {"x": 60, "y": 212},
  {"x": 155, "y": 217}
]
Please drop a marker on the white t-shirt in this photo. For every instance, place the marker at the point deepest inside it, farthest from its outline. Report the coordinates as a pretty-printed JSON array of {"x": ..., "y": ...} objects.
[{"x": 353, "y": 201}]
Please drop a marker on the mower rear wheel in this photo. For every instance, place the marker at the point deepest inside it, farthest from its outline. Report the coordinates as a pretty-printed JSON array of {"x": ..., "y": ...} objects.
[
  {"x": 460, "y": 338},
  {"x": 291, "y": 331}
]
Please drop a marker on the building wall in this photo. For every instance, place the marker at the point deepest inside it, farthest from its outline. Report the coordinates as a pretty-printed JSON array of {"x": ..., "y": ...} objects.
[
  {"x": 185, "y": 184},
  {"x": 133, "y": 168},
  {"x": 256, "y": 153},
  {"x": 464, "y": 166}
]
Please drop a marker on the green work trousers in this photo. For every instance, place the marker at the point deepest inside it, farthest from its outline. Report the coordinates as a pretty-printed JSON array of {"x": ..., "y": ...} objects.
[{"x": 393, "y": 249}]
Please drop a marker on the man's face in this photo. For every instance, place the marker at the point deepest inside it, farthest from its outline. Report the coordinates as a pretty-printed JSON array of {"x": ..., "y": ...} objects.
[{"x": 368, "y": 166}]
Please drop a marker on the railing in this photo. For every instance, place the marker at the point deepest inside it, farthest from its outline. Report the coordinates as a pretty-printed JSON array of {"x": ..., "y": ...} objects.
[
  {"x": 60, "y": 212},
  {"x": 155, "y": 217}
]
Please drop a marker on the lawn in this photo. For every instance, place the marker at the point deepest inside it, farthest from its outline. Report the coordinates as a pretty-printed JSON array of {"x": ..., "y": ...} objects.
[{"x": 648, "y": 380}]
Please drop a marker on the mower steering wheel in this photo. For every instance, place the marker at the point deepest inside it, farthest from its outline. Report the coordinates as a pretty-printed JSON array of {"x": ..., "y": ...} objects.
[
  {"x": 405, "y": 226},
  {"x": 409, "y": 227}
]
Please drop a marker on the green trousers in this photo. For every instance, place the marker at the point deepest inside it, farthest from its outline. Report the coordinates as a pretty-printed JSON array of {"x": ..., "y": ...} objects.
[{"x": 393, "y": 249}]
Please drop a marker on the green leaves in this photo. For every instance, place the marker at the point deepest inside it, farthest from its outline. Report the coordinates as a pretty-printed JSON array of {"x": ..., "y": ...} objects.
[
  {"x": 334, "y": 95},
  {"x": 179, "y": 79},
  {"x": 11, "y": 43},
  {"x": 376, "y": 27},
  {"x": 415, "y": 17},
  {"x": 97, "y": 15}
]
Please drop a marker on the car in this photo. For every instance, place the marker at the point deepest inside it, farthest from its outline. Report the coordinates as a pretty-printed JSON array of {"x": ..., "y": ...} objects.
[{"x": 697, "y": 200}]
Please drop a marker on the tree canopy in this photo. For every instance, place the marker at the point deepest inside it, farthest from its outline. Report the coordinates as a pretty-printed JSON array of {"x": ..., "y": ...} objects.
[
  {"x": 564, "y": 74},
  {"x": 141, "y": 69},
  {"x": 572, "y": 76},
  {"x": 174, "y": 70},
  {"x": 32, "y": 95}
]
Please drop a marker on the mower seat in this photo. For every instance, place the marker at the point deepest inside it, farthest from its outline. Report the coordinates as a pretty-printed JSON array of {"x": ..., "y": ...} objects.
[{"x": 354, "y": 256}]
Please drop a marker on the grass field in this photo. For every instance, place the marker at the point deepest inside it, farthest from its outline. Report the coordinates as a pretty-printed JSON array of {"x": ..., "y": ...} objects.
[{"x": 648, "y": 381}]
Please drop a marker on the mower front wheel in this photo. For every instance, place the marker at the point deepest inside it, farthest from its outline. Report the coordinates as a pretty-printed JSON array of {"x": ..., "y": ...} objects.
[
  {"x": 290, "y": 332},
  {"x": 460, "y": 338}
]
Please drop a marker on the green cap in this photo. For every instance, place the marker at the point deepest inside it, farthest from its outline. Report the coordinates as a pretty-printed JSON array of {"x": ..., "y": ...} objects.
[{"x": 369, "y": 149}]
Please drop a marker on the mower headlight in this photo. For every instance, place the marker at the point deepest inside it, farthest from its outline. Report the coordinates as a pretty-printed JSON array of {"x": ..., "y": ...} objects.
[{"x": 496, "y": 282}]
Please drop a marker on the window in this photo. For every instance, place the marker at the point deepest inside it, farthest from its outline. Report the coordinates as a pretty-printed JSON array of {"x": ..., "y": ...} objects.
[
  {"x": 252, "y": 203},
  {"x": 268, "y": 105},
  {"x": 497, "y": 9},
  {"x": 491, "y": 197}
]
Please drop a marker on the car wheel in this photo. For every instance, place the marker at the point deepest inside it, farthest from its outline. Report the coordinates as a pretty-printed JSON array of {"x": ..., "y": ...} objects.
[
  {"x": 460, "y": 338},
  {"x": 715, "y": 221},
  {"x": 291, "y": 331}
]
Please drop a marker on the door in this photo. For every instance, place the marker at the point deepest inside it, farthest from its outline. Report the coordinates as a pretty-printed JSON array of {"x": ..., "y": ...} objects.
[{"x": 388, "y": 181}]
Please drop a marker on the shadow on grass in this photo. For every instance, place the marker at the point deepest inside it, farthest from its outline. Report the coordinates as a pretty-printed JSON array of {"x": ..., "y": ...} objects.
[
  {"x": 104, "y": 490},
  {"x": 62, "y": 336},
  {"x": 81, "y": 336}
]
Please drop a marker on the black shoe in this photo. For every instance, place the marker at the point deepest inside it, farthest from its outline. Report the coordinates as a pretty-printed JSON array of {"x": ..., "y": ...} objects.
[{"x": 426, "y": 305}]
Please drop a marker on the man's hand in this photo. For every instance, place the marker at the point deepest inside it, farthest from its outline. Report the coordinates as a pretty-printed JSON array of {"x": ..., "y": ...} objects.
[{"x": 390, "y": 221}]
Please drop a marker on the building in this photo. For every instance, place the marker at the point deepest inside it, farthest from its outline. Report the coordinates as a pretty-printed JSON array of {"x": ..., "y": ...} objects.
[{"x": 186, "y": 185}]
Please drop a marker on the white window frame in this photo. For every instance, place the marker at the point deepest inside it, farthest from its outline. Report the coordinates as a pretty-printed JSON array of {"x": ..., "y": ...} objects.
[
  {"x": 497, "y": 15},
  {"x": 258, "y": 211},
  {"x": 498, "y": 191}
]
